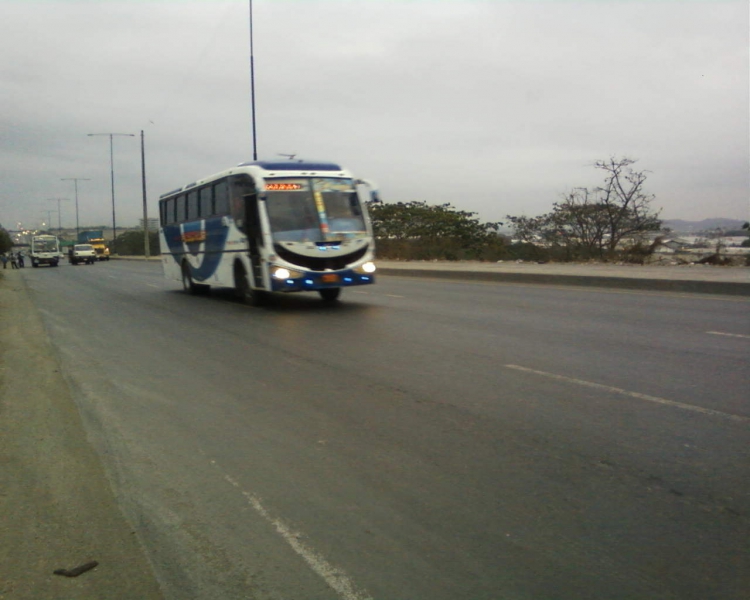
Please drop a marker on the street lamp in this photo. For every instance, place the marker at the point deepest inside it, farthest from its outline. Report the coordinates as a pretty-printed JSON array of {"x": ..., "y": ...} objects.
[
  {"x": 112, "y": 176},
  {"x": 75, "y": 180}
]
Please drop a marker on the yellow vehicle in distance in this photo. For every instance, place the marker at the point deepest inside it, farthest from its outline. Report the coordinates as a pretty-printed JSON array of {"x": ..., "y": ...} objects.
[
  {"x": 101, "y": 248},
  {"x": 96, "y": 240}
]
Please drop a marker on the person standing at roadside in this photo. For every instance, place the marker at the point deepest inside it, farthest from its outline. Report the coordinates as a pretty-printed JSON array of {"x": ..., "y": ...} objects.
[
  {"x": 13, "y": 261},
  {"x": 4, "y": 259},
  {"x": 20, "y": 261}
]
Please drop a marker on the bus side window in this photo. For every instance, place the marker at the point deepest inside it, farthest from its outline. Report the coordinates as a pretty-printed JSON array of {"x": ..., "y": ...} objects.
[
  {"x": 221, "y": 198},
  {"x": 192, "y": 205},
  {"x": 206, "y": 201},
  {"x": 239, "y": 187},
  {"x": 179, "y": 209},
  {"x": 168, "y": 212}
]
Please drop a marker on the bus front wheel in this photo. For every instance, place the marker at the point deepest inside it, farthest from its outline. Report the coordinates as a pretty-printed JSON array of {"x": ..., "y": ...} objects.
[
  {"x": 330, "y": 294},
  {"x": 244, "y": 292}
]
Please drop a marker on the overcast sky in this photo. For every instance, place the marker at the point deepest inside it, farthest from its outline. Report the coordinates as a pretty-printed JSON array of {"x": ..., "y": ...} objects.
[{"x": 497, "y": 107}]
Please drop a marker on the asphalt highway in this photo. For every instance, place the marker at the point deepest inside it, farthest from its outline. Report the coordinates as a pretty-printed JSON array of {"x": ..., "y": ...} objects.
[{"x": 420, "y": 440}]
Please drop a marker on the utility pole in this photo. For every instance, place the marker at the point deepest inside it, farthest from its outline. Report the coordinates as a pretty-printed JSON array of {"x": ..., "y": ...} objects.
[
  {"x": 252, "y": 83},
  {"x": 49, "y": 217},
  {"x": 112, "y": 176},
  {"x": 146, "y": 245},
  {"x": 75, "y": 180},
  {"x": 59, "y": 217}
]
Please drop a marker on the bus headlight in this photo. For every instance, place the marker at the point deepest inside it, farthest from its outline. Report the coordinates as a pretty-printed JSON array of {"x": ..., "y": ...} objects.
[
  {"x": 284, "y": 273},
  {"x": 368, "y": 267}
]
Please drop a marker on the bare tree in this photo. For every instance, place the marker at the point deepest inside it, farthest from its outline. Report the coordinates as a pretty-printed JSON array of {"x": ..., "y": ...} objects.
[
  {"x": 624, "y": 201},
  {"x": 594, "y": 222}
]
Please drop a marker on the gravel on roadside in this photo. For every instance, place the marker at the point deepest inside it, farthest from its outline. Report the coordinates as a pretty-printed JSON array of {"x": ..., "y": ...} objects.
[{"x": 57, "y": 509}]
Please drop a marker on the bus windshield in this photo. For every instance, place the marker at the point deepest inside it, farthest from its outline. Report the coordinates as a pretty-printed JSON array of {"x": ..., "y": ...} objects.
[
  {"x": 45, "y": 245},
  {"x": 313, "y": 209}
]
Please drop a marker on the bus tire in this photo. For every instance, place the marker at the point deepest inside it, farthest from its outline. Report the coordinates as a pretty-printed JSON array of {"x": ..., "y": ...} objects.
[
  {"x": 330, "y": 294},
  {"x": 189, "y": 285},
  {"x": 243, "y": 290}
]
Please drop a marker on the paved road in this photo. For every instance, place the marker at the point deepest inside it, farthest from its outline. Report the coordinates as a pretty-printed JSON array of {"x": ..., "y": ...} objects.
[{"x": 422, "y": 440}]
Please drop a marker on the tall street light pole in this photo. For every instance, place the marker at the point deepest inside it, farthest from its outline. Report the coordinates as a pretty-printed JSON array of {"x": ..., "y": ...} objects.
[
  {"x": 146, "y": 245},
  {"x": 252, "y": 83},
  {"x": 49, "y": 217},
  {"x": 75, "y": 180},
  {"x": 59, "y": 214},
  {"x": 112, "y": 176}
]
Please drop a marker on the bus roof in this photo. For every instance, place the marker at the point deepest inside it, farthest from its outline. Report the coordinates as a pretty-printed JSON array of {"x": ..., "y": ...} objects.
[
  {"x": 292, "y": 165},
  {"x": 282, "y": 165}
]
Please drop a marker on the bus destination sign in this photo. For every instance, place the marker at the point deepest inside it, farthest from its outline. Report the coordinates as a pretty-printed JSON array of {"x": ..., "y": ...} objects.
[{"x": 283, "y": 187}]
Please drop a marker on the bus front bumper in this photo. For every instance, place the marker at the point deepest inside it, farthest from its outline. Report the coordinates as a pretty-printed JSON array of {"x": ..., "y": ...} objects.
[{"x": 312, "y": 281}]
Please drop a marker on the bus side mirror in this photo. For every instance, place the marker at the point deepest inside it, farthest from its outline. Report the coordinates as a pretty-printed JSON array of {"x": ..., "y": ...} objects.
[{"x": 374, "y": 195}]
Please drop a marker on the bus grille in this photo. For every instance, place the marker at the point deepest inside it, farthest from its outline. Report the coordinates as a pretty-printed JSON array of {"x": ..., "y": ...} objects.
[{"x": 319, "y": 263}]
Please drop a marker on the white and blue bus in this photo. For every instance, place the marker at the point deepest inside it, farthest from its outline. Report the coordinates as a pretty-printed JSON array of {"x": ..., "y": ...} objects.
[{"x": 287, "y": 226}]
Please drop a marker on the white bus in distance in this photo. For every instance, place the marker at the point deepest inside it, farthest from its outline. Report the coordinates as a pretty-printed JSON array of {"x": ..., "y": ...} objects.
[
  {"x": 45, "y": 250},
  {"x": 285, "y": 226}
]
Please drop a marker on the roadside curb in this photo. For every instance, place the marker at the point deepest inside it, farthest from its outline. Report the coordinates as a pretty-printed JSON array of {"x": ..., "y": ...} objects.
[
  {"x": 136, "y": 258},
  {"x": 732, "y": 288}
]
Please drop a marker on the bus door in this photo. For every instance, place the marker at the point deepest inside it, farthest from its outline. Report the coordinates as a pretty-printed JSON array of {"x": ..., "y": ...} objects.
[{"x": 254, "y": 237}]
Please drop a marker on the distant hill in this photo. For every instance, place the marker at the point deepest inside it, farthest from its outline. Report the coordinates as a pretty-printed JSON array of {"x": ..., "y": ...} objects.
[{"x": 680, "y": 226}]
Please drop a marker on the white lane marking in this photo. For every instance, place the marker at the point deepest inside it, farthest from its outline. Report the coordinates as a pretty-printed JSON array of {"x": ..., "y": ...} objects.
[
  {"x": 394, "y": 296},
  {"x": 655, "y": 399},
  {"x": 152, "y": 285},
  {"x": 739, "y": 335},
  {"x": 336, "y": 578}
]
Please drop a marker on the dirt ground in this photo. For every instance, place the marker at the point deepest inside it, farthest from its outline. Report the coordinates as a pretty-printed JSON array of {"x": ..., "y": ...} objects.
[{"x": 57, "y": 510}]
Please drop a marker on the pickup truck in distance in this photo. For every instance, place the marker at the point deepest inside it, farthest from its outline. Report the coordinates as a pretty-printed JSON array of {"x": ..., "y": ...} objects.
[{"x": 82, "y": 253}]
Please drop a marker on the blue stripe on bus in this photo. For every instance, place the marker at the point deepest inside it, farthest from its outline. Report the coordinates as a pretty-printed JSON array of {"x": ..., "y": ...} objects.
[{"x": 213, "y": 242}]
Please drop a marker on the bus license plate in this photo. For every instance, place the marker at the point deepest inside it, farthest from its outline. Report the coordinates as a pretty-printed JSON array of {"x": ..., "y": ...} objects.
[{"x": 330, "y": 278}]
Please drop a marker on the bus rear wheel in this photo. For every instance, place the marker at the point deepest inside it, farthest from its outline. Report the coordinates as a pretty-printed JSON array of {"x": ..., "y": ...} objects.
[
  {"x": 330, "y": 294},
  {"x": 189, "y": 285}
]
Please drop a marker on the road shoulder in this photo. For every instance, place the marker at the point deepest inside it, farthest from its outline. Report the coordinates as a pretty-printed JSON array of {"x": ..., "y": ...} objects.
[{"x": 57, "y": 510}]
